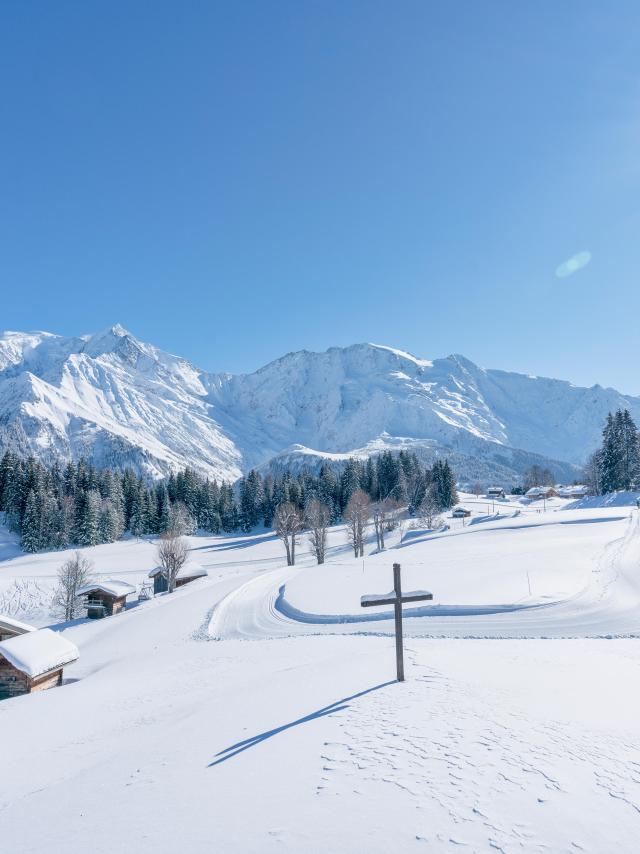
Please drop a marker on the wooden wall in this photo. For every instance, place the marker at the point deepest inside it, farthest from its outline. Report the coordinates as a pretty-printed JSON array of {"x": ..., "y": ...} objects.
[
  {"x": 49, "y": 680},
  {"x": 14, "y": 682}
]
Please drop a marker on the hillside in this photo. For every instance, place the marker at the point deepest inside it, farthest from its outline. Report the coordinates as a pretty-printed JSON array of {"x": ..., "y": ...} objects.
[
  {"x": 124, "y": 402},
  {"x": 302, "y": 741}
]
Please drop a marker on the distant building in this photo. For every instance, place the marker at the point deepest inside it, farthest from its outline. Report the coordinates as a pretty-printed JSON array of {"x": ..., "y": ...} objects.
[
  {"x": 106, "y": 598},
  {"x": 189, "y": 572},
  {"x": 496, "y": 492},
  {"x": 579, "y": 490},
  {"x": 538, "y": 492},
  {"x": 33, "y": 661},
  {"x": 460, "y": 512},
  {"x": 10, "y": 628}
]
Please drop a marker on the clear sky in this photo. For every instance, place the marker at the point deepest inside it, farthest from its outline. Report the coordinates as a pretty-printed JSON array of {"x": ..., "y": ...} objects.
[{"x": 233, "y": 181}]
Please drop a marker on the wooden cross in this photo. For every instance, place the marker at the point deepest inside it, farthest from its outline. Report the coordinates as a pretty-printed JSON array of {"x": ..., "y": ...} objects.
[{"x": 396, "y": 599}]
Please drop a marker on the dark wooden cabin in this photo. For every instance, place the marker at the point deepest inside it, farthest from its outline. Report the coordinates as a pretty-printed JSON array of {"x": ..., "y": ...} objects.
[
  {"x": 33, "y": 661},
  {"x": 189, "y": 572},
  {"x": 106, "y": 598}
]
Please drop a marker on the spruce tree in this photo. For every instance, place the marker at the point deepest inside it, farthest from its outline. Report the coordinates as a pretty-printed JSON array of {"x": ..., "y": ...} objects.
[{"x": 30, "y": 533}]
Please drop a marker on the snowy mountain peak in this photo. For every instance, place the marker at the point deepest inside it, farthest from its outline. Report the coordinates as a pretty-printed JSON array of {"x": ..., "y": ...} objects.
[
  {"x": 125, "y": 402},
  {"x": 113, "y": 339}
]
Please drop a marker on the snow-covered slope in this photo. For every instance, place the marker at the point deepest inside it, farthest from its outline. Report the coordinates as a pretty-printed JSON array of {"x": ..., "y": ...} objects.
[
  {"x": 125, "y": 402},
  {"x": 306, "y": 743},
  {"x": 113, "y": 398}
]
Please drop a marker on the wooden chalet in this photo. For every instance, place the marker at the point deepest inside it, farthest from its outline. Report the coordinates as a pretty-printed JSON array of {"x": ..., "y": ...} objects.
[
  {"x": 460, "y": 513},
  {"x": 10, "y": 628},
  {"x": 576, "y": 491},
  {"x": 106, "y": 598},
  {"x": 189, "y": 572},
  {"x": 496, "y": 492},
  {"x": 33, "y": 661},
  {"x": 538, "y": 492}
]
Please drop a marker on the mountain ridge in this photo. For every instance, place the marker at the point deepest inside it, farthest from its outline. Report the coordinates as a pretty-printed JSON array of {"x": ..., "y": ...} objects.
[{"x": 121, "y": 401}]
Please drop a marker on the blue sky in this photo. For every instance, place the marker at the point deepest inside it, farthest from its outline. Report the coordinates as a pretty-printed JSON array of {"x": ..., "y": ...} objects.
[{"x": 232, "y": 181}]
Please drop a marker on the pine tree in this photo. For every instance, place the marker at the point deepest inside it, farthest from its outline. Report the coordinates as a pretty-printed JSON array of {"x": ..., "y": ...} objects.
[
  {"x": 89, "y": 523},
  {"x": 350, "y": 480},
  {"x": 164, "y": 513},
  {"x": 30, "y": 534},
  {"x": 444, "y": 484}
]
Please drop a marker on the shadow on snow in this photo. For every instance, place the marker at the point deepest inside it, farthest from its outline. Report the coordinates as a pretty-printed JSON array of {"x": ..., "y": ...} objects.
[{"x": 337, "y": 706}]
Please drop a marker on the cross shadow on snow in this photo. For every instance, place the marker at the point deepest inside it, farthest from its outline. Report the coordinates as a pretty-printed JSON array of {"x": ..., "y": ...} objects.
[{"x": 337, "y": 706}]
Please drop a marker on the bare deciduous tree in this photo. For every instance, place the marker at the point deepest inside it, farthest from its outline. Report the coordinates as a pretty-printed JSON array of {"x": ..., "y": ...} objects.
[
  {"x": 382, "y": 512},
  {"x": 72, "y": 575},
  {"x": 182, "y": 521},
  {"x": 430, "y": 507},
  {"x": 593, "y": 473},
  {"x": 356, "y": 515},
  {"x": 172, "y": 555},
  {"x": 287, "y": 523},
  {"x": 317, "y": 517},
  {"x": 393, "y": 515}
]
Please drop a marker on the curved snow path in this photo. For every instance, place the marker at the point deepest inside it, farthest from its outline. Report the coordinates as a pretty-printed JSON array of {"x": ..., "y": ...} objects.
[{"x": 608, "y": 606}]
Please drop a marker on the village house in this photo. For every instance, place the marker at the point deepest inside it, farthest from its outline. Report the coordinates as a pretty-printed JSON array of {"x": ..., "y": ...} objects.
[
  {"x": 33, "y": 661},
  {"x": 576, "y": 491},
  {"x": 460, "y": 513},
  {"x": 10, "y": 628},
  {"x": 106, "y": 598},
  {"x": 539, "y": 492},
  {"x": 496, "y": 492},
  {"x": 189, "y": 572}
]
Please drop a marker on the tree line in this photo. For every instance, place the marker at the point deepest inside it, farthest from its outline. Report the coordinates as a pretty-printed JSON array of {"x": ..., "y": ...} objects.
[
  {"x": 55, "y": 506},
  {"x": 376, "y": 491}
]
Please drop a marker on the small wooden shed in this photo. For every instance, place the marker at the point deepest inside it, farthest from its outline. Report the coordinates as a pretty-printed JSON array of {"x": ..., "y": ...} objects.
[
  {"x": 105, "y": 598},
  {"x": 10, "y": 628},
  {"x": 33, "y": 661},
  {"x": 189, "y": 572}
]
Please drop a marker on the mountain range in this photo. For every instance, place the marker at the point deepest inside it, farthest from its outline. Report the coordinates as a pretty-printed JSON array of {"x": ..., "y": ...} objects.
[{"x": 121, "y": 402}]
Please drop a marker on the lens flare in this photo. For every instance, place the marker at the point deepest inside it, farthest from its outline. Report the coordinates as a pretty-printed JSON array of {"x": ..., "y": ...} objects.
[{"x": 573, "y": 264}]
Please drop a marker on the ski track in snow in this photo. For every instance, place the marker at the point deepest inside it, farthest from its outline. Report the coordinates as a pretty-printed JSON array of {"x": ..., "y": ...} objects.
[{"x": 608, "y": 606}]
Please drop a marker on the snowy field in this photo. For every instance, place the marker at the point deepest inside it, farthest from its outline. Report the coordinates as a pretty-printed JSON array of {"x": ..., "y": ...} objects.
[{"x": 164, "y": 739}]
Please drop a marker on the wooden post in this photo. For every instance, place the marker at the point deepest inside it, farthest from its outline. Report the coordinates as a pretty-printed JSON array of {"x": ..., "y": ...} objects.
[{"x": 397, "y": 587}]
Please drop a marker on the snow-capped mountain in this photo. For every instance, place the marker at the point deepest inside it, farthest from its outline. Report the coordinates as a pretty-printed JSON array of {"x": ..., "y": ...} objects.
[{"x": 121, "y": 401}]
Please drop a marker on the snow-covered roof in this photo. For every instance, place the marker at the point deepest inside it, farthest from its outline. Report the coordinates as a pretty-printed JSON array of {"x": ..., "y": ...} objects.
[
  {"x": 112, "y": 587},
  {"x": 35, "y": 653},
  {"x": 540, "y": 490},
  {"x": 189, "y": 570},
  {"x": 571, "y": 491},
  {"x": 11, "y": 625}
]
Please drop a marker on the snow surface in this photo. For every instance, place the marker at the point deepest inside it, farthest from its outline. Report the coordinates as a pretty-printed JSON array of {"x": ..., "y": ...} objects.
[
  {"x": 128, "y": 403},
  {"x": 35, "y": 653},
  {"x": 302, "y": 741}
]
